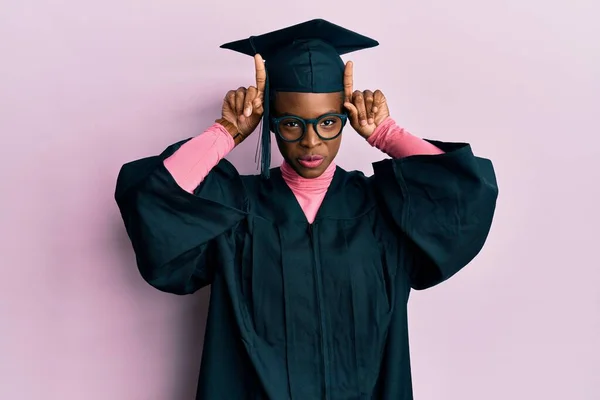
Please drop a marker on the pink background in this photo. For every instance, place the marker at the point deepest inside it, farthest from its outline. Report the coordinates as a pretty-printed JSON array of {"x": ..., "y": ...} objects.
[{"x": 88, "y": 85}]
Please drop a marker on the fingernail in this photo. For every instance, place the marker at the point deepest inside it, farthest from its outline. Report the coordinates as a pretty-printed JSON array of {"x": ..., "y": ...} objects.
[
  {"x": 375, "y": 109},
  {"x": 247, "y": 112},
  {"x": 371, "y": 120},
  {"x": 363, "y": 122}
]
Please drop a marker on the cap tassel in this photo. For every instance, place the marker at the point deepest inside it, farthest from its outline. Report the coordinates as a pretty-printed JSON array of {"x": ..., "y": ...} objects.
[{"x": 265, "y": 137}]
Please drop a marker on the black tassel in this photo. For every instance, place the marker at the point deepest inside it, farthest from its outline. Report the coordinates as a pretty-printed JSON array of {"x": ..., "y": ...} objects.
[{"x": 265, "y": 139}]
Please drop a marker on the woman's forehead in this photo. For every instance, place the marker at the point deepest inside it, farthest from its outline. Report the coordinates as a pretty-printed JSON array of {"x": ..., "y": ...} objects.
[{"x": 308, "y": 105}]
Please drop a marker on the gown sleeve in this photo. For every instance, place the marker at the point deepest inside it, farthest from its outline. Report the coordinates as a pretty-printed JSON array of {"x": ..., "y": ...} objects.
[
  {"x": 174, "y": 232},
  {"x": 442, "y": 205}
]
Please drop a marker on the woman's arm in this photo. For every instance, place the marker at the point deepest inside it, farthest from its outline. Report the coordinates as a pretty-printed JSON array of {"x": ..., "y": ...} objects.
[
  {"x": 173, "y": 222},
  {"x": 399, "y": 143},
  {"x": 442, "y": 204},
  {"x": 192, "y": 162}
]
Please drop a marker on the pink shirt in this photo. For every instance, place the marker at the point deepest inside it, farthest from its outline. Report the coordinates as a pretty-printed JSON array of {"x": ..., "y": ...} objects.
[
  {"x": 309, "y": 192},
  {"x": 193, "y": 161}
]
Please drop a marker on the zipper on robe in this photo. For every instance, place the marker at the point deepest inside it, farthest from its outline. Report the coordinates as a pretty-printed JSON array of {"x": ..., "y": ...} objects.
[{"x": 318, "y": 283}]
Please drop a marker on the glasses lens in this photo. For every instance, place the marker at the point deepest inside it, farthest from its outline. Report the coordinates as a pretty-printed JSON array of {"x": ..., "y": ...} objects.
[
  {"x": 291, "y": 128},
  {"x": 329, "y": 126}
]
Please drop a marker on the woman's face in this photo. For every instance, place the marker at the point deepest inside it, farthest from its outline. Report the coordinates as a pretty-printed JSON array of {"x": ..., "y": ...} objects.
[{"x": 310, "y": 156}]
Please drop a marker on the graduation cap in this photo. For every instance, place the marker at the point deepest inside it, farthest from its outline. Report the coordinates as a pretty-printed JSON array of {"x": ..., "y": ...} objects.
[{"x": 300, "y": 58}]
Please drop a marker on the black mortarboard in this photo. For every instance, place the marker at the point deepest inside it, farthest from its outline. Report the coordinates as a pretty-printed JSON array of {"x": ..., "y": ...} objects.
[{"x": 300, "y": 58}]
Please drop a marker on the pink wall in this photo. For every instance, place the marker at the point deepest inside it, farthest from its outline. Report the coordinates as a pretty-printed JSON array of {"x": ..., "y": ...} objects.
[{"x": 88, "y": 85}]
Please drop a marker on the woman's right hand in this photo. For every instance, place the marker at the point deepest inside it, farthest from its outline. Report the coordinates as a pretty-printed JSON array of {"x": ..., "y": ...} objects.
[{"x": 244, "y": 107}]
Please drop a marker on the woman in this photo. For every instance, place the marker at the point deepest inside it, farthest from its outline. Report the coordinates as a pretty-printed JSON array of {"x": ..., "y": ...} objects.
[{"x": 310, "y": 266}]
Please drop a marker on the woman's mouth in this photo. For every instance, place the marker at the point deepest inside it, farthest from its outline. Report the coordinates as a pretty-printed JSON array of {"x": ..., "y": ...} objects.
[{"x": 311, "y": 161}]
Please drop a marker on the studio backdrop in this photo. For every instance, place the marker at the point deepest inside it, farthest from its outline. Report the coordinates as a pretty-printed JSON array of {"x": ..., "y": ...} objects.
[{"x": 86, "y": 86}]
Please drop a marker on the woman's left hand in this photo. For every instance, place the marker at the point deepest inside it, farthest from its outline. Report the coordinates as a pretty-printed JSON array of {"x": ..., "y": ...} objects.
[{"x": 366, "y": 109}]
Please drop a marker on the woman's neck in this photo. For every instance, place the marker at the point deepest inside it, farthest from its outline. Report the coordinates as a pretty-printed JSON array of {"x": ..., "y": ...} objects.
[
  {"x": 309, "y": 192},
  {"x": 306, "y": 185}
]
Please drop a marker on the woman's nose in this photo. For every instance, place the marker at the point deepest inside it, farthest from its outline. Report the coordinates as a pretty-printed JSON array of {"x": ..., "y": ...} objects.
[{"x": 310, "y": 139}]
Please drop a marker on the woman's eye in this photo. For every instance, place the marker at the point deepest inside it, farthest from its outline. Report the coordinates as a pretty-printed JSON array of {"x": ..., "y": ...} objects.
[
  {"x": 291, "y": 124},
  {"x": 328, "y": 122}
]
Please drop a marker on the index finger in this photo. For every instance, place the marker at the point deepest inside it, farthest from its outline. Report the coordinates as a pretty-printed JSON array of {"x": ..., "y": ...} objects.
[
  {"x": 261, "y": 73},
  {"x": 348, "y": 81}
]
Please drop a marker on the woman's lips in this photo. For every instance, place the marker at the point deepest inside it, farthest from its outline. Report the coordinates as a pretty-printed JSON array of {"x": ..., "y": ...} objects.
[{"x": 311, "y": 161}]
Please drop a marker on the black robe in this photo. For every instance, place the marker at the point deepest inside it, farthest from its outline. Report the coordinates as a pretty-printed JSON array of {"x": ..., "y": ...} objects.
[{"x": 308, "y": 311}]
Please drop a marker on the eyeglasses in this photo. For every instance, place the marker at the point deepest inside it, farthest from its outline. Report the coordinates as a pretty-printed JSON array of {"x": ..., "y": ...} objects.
[{"x": 291, "y": 128}]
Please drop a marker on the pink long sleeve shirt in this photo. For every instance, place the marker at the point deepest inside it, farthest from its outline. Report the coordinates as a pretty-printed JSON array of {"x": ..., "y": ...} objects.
[{"x": 193, "y": 161}]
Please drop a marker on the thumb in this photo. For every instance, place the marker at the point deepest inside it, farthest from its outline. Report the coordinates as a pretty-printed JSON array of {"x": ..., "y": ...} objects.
[
  {"x": 352, "y": 111},
  {"x": 257, "y": 106}
]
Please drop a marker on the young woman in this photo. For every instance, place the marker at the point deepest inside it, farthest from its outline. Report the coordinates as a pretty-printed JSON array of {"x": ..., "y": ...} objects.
[{"x": 310, "y": 266}]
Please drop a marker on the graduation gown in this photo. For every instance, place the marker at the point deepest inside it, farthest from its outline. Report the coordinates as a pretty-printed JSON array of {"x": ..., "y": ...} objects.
[{"x": 308, "y": 311}]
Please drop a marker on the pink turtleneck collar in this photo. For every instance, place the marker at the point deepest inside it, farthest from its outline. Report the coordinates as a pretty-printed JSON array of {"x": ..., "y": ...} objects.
[
  {"x": 318, "y": 184},
  {"x": 309, "y": 192}
]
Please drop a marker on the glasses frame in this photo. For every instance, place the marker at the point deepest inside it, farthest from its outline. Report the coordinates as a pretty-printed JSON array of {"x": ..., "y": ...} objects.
[{"x": 305, "y": 122}]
